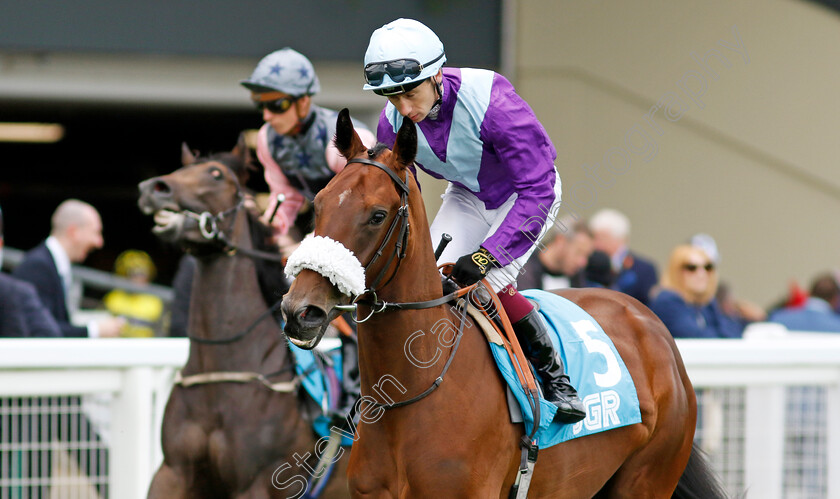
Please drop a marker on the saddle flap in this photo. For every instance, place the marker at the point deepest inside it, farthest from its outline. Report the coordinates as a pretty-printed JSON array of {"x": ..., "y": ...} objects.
[{"x": 487, "y": 327}]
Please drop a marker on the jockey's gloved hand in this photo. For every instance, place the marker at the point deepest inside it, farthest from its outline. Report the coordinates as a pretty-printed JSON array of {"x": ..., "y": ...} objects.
[{"x": 469, "y": 269}]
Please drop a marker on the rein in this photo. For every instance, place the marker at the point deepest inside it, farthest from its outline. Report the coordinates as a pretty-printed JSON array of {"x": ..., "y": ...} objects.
[{"x": 430, "y": 304}]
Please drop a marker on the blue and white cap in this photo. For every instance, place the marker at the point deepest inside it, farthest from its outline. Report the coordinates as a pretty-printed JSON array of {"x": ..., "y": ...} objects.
[
  {"x": 285, "y": 70},
  {"x": 405, "y": 39}
]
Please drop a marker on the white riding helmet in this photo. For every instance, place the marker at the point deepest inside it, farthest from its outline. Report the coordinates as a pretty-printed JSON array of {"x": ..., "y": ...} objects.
[
  {"x": 400, "y": 55},
  {"x": 285, "y": 70}
]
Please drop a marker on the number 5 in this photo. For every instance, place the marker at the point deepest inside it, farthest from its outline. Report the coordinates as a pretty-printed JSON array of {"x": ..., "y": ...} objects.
[{"x": 613, "y": 374}]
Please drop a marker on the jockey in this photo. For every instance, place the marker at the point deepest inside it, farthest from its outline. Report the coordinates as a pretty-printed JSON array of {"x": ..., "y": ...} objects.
[
  {"x": 296, "y": 150},
  {"x": 295, "y": 143},
  {"x": 476, "y": 132}
]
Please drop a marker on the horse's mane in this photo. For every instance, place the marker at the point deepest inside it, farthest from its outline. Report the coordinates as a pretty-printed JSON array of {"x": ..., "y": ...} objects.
[{"x": 271, "y": 276}]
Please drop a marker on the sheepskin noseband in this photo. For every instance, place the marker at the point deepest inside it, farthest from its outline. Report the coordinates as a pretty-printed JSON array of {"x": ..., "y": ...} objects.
[{"x": 330, "y": 259}]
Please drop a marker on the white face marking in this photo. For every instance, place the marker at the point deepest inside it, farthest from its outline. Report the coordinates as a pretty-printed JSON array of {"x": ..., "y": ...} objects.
[{"x": 342, "y": 196}]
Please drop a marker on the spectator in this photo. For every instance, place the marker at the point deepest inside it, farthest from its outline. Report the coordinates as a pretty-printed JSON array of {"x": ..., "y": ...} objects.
[
  {"x": 686, "y": 301},
  {"x": 598, "y": 271},
  {"x": 76, "y": 231},
  {"x": 632, "y": 274},
  {"x": 295, "y": 144},
  {"x": 560, "y": 258},
  {"x": 817, "y": 314},
  {"x": 742, "y": 311},
  {"x": 142, "y": 311},
  {"x": 22, "y": 315}
]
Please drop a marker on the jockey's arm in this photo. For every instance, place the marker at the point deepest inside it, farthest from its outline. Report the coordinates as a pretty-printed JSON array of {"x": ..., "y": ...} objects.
[{"x": 523, "y": 146}]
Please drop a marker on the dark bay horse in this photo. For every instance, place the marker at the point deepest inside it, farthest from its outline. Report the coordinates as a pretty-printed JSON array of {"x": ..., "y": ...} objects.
[
  {"x": 458, "y": 441},
  {"x": 229, "y": 438}
]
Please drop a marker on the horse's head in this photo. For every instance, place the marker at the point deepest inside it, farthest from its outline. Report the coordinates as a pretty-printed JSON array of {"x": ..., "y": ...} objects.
[
  {"x": 361, "y": 224},
  {"x": 190, "y": 203}
]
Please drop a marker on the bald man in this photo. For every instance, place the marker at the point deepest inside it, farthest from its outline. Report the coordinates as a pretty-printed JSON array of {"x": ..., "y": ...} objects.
[
  {"x": 76, "y": 231},
  {"x": 632, "y": 274}
]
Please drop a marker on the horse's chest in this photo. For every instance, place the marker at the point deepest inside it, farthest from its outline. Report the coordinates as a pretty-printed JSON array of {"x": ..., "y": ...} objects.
[{"x": 233, "y": 436}]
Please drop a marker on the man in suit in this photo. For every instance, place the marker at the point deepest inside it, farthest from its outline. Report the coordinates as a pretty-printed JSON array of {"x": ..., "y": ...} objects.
[
  {"x": 22, "y": 315},
  {"x": 632, "y": 274},
  {"x": 76, "y": 231}
]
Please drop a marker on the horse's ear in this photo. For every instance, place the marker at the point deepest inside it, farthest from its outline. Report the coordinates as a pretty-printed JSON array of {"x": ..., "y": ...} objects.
[
  {"x": 405, "y": 146},
  {"x": 187, "y": 156},
  {"x": 347, "y": 141},
  {"x": 242, "y": 151}
]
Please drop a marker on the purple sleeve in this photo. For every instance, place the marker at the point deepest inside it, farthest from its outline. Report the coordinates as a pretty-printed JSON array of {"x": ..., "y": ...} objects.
[
  {"x": 385, "y": 131},
  {"x": 523, "y": 147},
  {"x": 385, "y": 134}
]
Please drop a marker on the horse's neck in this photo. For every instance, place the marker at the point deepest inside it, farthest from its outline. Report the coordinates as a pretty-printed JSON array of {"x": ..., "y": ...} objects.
[
  {"x": 396, "y": 347},
  {"x": 226, "y": 300}
]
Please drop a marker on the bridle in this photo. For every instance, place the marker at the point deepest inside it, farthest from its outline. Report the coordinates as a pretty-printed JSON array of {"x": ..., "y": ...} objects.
[
  {"x": 212, "y": 228},
  {"x": 398, "y": 253},
  {"x": 400, "y": 218}
]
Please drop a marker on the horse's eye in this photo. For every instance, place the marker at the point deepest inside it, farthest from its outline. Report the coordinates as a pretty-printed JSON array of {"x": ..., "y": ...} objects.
[
  {"x": 216, "y": 173},
  {"x": 378, "y": 217}
]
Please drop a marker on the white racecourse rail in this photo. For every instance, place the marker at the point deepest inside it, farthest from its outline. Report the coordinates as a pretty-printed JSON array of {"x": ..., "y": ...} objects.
[{"x": 769, "y": 415}]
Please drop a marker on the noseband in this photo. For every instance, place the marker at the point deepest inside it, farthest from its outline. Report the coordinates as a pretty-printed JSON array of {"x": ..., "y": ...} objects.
[
  {"x": 209, "y": 224},
  {"x": 211, "y": 229}
]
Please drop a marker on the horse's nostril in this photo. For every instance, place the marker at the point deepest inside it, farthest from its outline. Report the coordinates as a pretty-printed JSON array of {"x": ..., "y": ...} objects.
[
  {"x": 310, "y": 314},
  {"x": 161, "y": 187}
]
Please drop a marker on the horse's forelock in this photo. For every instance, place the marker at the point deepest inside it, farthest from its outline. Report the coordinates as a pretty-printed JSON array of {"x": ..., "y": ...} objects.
[{"x": 375, "y": 151}]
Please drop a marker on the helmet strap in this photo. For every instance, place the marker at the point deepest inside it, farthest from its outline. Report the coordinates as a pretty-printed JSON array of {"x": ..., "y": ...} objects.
[
  {"x": 302, "y": 121},
  {"x": 435, "y": 110}
]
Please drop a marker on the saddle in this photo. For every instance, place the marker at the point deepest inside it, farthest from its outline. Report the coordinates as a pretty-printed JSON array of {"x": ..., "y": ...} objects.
[{"x": 598, "y": 372}]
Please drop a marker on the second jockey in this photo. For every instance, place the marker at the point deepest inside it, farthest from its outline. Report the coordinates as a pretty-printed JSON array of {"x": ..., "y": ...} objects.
[
  {"x": 295, "y": 143},
  {"x": 296, "y": 150}
]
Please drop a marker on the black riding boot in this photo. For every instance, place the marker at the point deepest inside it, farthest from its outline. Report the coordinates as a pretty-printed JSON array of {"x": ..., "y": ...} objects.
[
  {"x": 536, "y": 344},
  {"x": 350, "y": 383}
]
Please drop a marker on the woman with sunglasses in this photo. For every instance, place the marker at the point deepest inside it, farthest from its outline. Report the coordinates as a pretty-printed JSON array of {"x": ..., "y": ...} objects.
[
  {"x": 686, "y": 301},
  {"x": 295, "y": 143},
  {"x": 477, "y": 133}
]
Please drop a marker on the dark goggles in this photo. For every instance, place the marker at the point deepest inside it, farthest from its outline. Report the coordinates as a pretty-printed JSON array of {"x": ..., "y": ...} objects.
[
  {"x": 398, "y": 70},
  {"x": 276, "y": 106}
]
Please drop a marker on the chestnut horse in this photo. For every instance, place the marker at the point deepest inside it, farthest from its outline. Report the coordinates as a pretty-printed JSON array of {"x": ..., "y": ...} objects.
[
  {"x": 458, "y": 441},
  {"x": 226, "y": 437}
]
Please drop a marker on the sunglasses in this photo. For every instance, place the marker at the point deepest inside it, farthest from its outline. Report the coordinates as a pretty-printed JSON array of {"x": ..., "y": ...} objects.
[
  {"x": 398, "y": 70},
  {"x": 693, "y": 268},
  {"x": 276, "y": 106}
]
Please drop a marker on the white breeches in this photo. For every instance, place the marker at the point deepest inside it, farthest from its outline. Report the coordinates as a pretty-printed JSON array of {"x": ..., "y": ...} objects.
[{"x": 463, "y": 216}]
